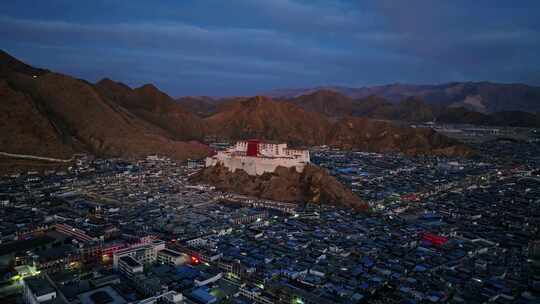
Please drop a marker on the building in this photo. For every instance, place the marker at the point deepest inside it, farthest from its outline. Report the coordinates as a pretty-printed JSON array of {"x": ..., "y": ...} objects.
[
  {"x": 144, "y": 253},
  {"x": 249, "y": 217},
  {"x": 203, "y": 295},
  {"x": 56, "y": 259},
  {"x": 257, "y": 157},
  {"x": 129, "y": 266},
  {"x": 77, "y": 233},
  {"x": 206, "y": 278},
  {"x": 38, "y": 290},
  {"x": 105, "y": 294},
  {"x": 172, "y": 258},
  {"x": 255, "y": 294}
]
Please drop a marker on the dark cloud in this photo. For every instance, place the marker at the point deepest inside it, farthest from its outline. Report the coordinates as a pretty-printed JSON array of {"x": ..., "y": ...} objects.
[{"x": 245, "y": 46}]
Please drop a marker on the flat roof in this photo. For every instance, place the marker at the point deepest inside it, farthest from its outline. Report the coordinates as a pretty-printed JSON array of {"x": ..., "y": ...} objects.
[
  {"x": 39, "y": 286},
  {"x": 130, "y": 261},
  {"x": 170, "y": 252},
  {"x": 100, "y": 295}
]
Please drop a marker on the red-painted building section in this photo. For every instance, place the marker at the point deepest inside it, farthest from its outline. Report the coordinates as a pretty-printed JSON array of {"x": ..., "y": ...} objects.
[
  {"x": 253, "y": 148},
  {"x": 434, "y": 239},
  {"x": 410, "y": 197}
]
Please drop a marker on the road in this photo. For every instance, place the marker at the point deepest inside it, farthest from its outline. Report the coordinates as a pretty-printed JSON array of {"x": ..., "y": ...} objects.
[{"x": 35, "y": 157}]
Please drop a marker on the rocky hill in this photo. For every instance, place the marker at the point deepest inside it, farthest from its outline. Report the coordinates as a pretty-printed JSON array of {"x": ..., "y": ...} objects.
[
  {"x": 201, "y": 106},
  {"x": 261, "y": 117},
  {"x": 150, "y": 104},
  {"x": 314, "y": 185},
  {"x": 25, "y": 129},
  {"x": 50, "y": 114},
  {"x": 378, "y": 136},
  {"x": 9, "y": 65},
  {"x": 326, "y": 102}
]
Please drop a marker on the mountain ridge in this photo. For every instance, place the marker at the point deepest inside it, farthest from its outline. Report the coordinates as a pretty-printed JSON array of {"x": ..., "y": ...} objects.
[
  {"x": 52, "y": 115},
  {"x": 412, "y": 109},
  {"x": 495, "y": 97}
]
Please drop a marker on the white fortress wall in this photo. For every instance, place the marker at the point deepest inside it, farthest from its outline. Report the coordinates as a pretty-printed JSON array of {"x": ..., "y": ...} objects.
[
  {"x": 270, "y": 157},
  {"x": 299, "y": 154},
  {"x": 241, "y": 146},
  {"x": 255, "y": 165}
]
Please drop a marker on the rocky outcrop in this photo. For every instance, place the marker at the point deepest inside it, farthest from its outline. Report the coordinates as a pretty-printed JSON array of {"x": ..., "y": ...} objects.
[{"x": 314, "y": 185}]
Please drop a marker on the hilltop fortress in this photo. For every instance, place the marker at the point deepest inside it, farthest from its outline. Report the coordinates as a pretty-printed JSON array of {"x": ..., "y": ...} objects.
[{"x": 256, "y": 157}]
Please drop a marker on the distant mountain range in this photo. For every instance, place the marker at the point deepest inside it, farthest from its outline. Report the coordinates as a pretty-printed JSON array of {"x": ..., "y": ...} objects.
[
  {"x": 49, "y": 114},
  {"x": 335, "y": 106},
  {"x": 410, "y": 109},
  {"x": 484, "y": 97}
]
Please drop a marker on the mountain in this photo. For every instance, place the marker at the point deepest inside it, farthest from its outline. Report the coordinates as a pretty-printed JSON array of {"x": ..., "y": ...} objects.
[
  {"x": 333, "y": 104},
  {"x": 314, "y": 185},
  {"x": 261, "y": 117},
  {"x": 505, "y": 118},
  {"x": 516, "y": 119},
  {"x": 486, "y": 97},
  {"x": 411, "y": 109},
  {"x": 326, "y": 102},
  {"x": 25, "y": 129},
  {"x": 9, "y": 64},
  {"x": 54, "y": 115},
  {"x": 201, "y": 106},
  {"x": 461, "y": 115},
  {"x": 150, "y": 104},
  {"x": 379, "y": 136}
]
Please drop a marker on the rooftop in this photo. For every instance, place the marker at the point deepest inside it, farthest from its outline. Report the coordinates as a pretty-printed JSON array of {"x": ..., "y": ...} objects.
[{"x": 39, "y": 286}]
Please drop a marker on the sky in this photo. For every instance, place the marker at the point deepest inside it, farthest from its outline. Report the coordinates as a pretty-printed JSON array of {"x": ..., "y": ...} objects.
[{"x": 243, "y": 47}]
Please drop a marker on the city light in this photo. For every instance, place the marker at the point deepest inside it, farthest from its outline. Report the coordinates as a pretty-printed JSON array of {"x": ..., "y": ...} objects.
[{"x": 195, "y": 260}]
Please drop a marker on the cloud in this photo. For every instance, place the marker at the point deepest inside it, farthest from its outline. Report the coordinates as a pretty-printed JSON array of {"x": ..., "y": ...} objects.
[{"x": 241, "y": 46}]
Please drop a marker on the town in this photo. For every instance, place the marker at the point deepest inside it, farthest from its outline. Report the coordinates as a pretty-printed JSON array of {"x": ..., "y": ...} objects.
[{"x": 439, "y": 230}]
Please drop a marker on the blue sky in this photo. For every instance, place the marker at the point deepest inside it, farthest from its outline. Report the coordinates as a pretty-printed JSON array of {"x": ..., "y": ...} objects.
[{"x": 241, "y": 47}]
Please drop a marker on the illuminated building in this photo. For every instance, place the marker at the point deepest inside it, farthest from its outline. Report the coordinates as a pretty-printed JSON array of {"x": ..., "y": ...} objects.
[{"x": 257, "y": 158}]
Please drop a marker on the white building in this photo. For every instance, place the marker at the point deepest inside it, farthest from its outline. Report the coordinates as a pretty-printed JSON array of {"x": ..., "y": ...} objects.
[
  {"x": 172, "y": 258},
  {"x": 257, "y": 158},
  {"x": 129, "y": 266},
  {"x": 37, "y": 290},
  {"x": 144, "y": 254}
]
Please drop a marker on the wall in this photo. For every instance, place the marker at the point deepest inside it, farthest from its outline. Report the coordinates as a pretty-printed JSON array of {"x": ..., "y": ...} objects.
[{"x": 254, "y": 165}]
